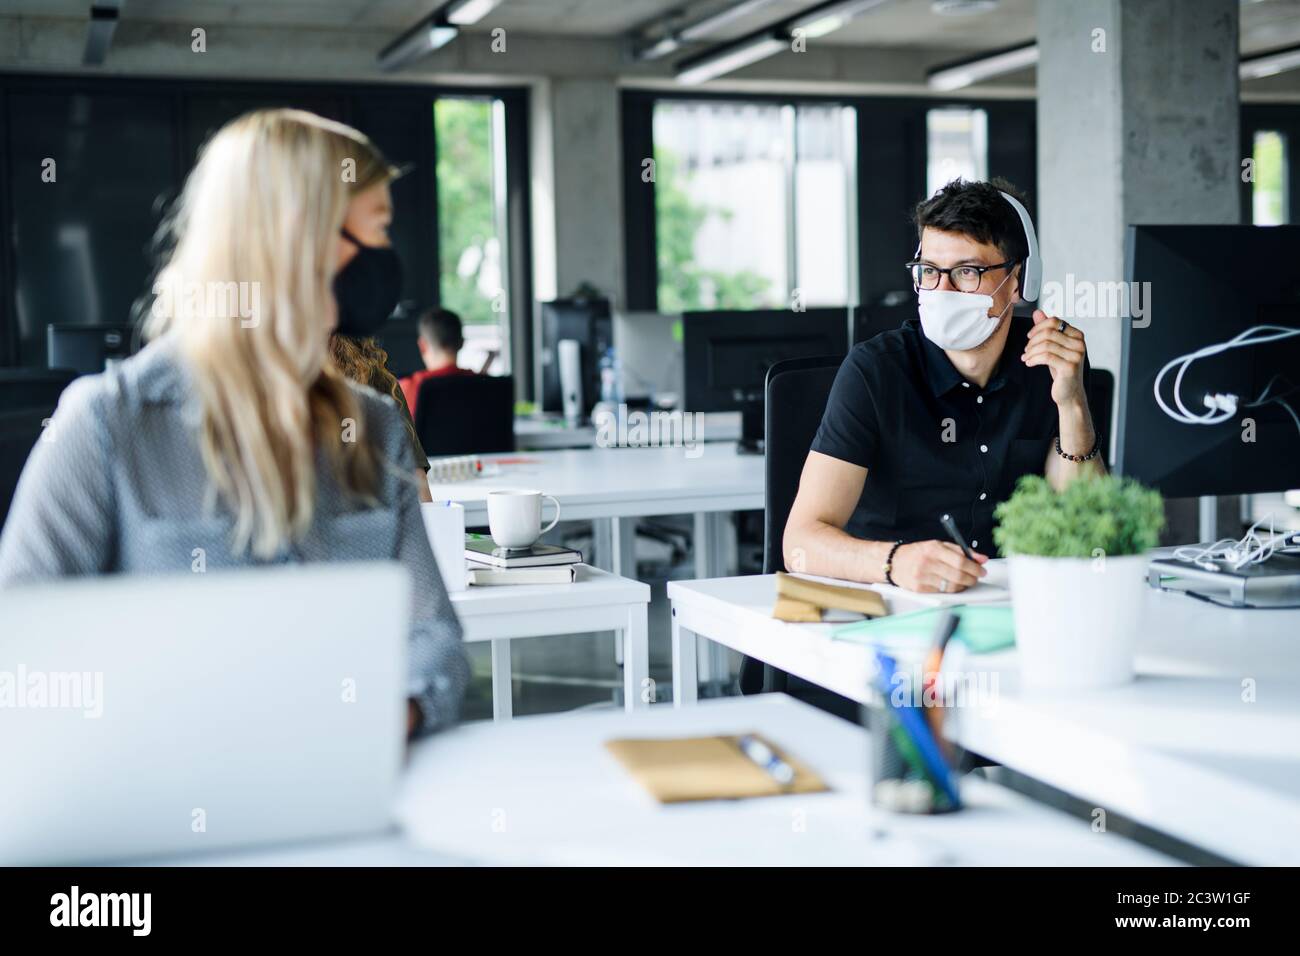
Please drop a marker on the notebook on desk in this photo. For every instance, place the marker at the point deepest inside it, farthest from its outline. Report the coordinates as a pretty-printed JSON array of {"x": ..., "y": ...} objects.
[
  {"x": 483, "y": 550},
  {"x": 682, "y": 769},
  {"x": 983, "y": 628},
  {"x": 993, "y": 589}
]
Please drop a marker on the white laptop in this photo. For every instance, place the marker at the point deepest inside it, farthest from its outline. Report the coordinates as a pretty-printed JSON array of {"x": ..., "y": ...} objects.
[{"x": 143, "y": 716}]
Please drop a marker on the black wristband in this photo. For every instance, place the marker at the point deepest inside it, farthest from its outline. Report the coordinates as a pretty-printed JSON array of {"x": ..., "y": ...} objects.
[{"x": 889, "y": 564}]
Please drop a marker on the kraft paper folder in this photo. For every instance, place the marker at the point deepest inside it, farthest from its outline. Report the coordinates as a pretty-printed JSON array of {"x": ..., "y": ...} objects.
[{"x": 682, "y": 769}]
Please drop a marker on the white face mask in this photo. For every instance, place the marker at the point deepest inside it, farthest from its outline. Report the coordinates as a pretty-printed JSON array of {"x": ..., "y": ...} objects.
[{"x": 958, "y": 320}]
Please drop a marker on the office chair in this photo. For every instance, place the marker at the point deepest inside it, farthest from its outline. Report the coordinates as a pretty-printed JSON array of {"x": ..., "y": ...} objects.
[
  {"x": 22, "y": 388},
  {"x": 28, "y": 396},
  {"x": 466, "y": 414},
  {"x": 797, "y": 391},
  {"x": 20, "y": 429}
]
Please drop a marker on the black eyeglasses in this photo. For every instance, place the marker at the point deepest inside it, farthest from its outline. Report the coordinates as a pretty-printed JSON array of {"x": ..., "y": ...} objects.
[{"x": 963, "y": 278}]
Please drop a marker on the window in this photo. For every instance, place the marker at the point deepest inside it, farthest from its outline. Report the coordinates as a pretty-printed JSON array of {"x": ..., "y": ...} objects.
[
  {"x": 472, "y": 226},
  {"x": 956, "y": 146},
  {"x": 823, "y": 192},
  {"x": 1268, "y": 190},
  {"x": 752, "y": 205}
]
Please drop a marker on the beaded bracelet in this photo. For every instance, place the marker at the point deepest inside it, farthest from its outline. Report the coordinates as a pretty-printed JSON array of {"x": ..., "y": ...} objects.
[
  {"x": 888, "y": 566},
  {"x": 1096, "y": 449}
]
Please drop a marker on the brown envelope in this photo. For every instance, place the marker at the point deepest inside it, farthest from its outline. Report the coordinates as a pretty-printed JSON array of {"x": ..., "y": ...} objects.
[{"x": 706, "y": 768}]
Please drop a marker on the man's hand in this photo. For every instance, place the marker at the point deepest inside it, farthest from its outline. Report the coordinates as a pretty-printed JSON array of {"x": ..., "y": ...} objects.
[
  {"x": 929, "y": 566},
  {"x": 1062, "y": 352}
]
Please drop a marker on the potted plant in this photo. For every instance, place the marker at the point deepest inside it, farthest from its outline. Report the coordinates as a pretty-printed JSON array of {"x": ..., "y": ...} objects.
[{"x": 1078, "y": 572}]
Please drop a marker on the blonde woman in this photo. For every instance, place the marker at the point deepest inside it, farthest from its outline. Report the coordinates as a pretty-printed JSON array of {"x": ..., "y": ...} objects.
[{"x": 232, "y": 431}]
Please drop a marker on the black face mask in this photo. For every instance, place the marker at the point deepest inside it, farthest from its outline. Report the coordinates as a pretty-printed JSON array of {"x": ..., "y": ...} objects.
[{"x": 367, "y": 289}]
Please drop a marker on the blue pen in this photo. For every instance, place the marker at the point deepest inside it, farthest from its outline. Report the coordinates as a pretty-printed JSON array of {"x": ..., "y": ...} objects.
[{"x": 916, "y": 728}]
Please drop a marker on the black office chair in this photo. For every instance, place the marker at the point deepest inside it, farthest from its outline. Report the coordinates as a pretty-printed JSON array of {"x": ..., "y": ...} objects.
[
  {"x": 20, "y": 429},
  {"x": 466, "y": 414},
  {"x": 796, "y": 392},
  {"x": 22, "y": 388}
]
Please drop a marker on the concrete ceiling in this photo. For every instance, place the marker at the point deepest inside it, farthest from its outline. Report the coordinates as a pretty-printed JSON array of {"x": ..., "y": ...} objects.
[{"x": 901, "y": 24}]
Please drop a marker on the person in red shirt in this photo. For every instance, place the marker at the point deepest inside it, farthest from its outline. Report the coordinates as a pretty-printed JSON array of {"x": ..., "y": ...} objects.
[{"x": 441, "y": 339}]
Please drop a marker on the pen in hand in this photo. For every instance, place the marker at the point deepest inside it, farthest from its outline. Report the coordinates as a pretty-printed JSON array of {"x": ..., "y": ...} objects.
[{"x": 951, "y": 527}]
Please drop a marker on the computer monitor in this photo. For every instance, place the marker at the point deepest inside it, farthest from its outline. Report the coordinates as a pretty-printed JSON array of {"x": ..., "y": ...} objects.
[
  {"x": 649, "y": 348},
  {"x": 883, "y": 313},
  {"x": 586, "y": 321},
  {"x": 90, "y": 348},
  {"x": 1203, "y": 285},
  {"x": 727, "y": 355}
]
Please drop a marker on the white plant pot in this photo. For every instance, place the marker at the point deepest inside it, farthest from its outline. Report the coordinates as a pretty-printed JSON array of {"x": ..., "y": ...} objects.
[{"x": 1076, "y": 619}]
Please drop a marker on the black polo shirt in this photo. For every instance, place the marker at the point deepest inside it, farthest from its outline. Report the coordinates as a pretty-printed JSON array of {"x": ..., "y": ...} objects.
[{"x": 933, "y": 443}]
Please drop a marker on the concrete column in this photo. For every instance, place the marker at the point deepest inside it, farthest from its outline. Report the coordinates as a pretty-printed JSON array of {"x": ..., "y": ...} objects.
[
  {"x": 577, "y": 187},
  {"x": 1138, "y": 119}
]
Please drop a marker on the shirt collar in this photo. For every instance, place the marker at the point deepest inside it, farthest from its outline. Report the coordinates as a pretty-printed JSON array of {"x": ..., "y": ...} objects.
[{"x": 943, "y": 375}]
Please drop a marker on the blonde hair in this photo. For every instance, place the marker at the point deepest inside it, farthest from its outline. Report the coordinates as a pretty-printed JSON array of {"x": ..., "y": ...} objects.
[{"x": 258, "y": 222}]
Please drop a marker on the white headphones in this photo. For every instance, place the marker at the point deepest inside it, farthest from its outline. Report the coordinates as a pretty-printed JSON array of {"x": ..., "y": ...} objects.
[{"x": 1031, "y": 272}]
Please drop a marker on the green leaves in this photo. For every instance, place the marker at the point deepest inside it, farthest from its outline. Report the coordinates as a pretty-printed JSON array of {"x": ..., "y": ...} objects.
[{"x": 1091, "y": 517}]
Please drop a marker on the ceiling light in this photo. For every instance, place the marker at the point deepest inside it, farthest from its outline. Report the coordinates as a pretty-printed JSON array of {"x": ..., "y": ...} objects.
[
  {"x": 1269, "y": 64},
  {"x": 707, "y": 26},
  {"x": 955, "y": 76},
  {"x": 426, "y": 36},
  {"x": 99, "y": 32},
  {"x": 673, "y": 36},
  {"x": 464, "y": 13},
  {"x": 729, "y": 57},
  {"x": 962, "y": 8}
]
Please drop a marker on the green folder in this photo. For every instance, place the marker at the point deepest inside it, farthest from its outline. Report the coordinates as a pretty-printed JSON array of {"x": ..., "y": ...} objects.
[{"x": 982, "y": 628}]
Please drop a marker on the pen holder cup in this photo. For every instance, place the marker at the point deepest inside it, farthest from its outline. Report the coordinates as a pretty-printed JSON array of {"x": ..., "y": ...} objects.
[{"x": 903, "y": 777}]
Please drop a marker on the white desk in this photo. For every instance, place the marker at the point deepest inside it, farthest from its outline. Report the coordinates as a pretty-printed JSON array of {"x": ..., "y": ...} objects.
[
  {"x": 618, "y": 485},
  {"x": 543, "y": 790},
  {"x": 612, "y": 487},
  {"x": 1178, "y": 750},
  {"x": 549, "y": 432},
  {"x": 545, "y": 433},
  {"x": 596, "y": 602}
]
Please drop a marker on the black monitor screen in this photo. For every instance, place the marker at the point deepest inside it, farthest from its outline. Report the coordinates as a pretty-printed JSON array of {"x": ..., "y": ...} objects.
[
  {"x": 1208, "y": 284},
  {"x": 727, "y": 354}
]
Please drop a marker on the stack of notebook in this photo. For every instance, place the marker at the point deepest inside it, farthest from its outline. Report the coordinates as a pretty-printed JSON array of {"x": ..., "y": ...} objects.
[{"x": 539, "y": 564}]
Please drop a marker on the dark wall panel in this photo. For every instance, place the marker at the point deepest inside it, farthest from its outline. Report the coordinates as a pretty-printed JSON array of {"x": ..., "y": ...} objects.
[
  {"x": 81, "y": 243},
  {"x": 205, "y": 113},
  {"x": 80, "y": 250}
]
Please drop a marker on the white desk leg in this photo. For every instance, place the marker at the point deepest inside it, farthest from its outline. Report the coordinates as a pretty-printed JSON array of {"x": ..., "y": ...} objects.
[
  {"x": 636, "y": 659},
  {"x": 623, "y": 547},
  {"x": 715, "y": 557},
  {"x": 686, "y": 682},
  {"x": 616, "y": 538},
  {"x": 502, "y": 682}
]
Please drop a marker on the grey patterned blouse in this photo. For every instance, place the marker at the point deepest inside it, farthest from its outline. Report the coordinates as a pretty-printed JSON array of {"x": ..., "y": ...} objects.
[{"x": 117, "y": 485}]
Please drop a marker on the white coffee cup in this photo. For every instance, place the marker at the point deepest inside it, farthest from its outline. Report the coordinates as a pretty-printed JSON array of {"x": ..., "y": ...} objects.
[{"x": 515, "y": 517}]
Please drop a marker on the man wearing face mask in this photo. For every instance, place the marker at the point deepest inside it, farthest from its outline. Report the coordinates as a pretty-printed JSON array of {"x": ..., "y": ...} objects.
[
  {"x": 367, "y": 287},
  {"x": 943, "y": 415}
]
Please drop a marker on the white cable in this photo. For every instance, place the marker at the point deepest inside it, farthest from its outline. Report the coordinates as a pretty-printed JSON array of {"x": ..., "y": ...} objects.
[
  {"x": 1252, "y": 548},
  {"x": 1220, "y": 407}
]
